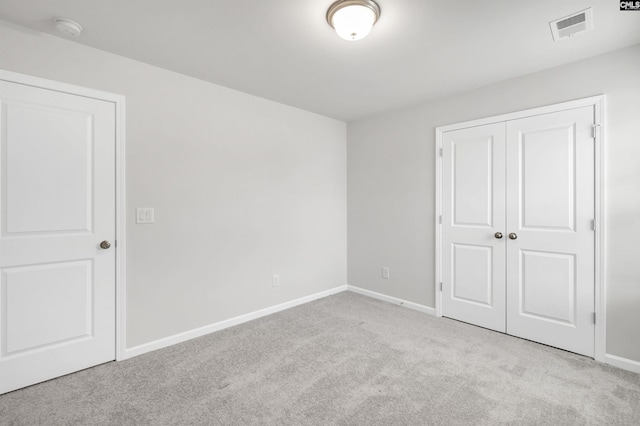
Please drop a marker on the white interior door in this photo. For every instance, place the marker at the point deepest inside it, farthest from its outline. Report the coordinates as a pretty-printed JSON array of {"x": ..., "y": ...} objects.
[
  {"x": 473, "y": 200},
  {"x": 57, "y": 204},
  {"x": 550, "y": 209}
]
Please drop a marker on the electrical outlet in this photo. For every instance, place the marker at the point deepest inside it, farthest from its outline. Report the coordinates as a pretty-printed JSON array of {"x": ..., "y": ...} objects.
[
  {"x": 385, "y": 272},
  {"x": 275, "y": 280}
]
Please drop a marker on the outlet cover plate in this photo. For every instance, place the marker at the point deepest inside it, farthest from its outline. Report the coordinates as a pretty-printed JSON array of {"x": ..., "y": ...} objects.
[{"x": 385, "y": 272}]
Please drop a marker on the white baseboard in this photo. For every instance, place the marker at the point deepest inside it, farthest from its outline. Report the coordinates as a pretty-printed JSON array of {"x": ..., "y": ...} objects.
[
  {"x": 221, "y": 325},
  {"x": 616, "y": 361},
  {"x": 624, "y": 363},
  {"x": 415, "y": 306}
]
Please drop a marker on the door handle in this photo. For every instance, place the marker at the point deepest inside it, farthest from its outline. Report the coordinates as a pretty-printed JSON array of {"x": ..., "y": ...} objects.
[
  {"x": 513, "y": 236},
  {"x": 105, "y": 244},
  {"x": 498, "y": 235}
]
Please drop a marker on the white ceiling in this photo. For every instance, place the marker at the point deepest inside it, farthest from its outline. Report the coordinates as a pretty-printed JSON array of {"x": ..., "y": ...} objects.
[{"x": 285, "y": 51}]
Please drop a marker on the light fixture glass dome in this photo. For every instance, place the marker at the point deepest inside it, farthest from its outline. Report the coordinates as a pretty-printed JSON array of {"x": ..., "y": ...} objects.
[{"x": 353, "y": 19}]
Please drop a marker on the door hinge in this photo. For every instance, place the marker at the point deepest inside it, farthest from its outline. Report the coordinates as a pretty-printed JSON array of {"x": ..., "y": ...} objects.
[
  {"x": 440, "y": 219},
  {"x": 594, "y": 317},
  {"x": 593, "y": 224},
  {"x": 440, "y": 152},
  {"x": 115, "y": 243},
  {"x": 440, "y": 286},
  {"x": 595, "y": 128}
]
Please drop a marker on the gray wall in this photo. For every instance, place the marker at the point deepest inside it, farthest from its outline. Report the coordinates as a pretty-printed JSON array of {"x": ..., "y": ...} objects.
[
  {"x": 391, "y": 183},
  {"x": 243, "y": 188}
]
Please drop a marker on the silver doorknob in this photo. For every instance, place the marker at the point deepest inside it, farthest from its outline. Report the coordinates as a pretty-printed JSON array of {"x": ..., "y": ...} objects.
[
  {"x": 513, "y": 236},
  {"x": 498, "y": 235},
  {"x": 105, "y": 244}
]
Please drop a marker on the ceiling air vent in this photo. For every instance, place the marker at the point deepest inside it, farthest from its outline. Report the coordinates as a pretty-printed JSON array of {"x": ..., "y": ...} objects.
[{"x": 572, "y": 24}]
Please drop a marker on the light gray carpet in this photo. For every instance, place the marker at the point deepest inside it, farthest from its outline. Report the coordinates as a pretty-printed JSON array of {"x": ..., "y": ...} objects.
[{"x": 346, "y": 360}]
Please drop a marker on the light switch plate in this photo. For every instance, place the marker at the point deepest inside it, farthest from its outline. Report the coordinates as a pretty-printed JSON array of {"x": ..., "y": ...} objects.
[{"x": 144, "y": 215}]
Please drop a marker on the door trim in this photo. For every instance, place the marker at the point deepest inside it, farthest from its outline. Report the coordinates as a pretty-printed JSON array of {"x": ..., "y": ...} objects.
[
  {"x": 119, "y": 173},
  {"x": 598, "y": 103}
]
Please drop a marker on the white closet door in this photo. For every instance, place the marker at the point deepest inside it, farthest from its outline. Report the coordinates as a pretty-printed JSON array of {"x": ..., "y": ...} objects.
[
  {"x": 473, "y": 272},
  {"x": 57, "y": 204},
  {"x": 550, "y": 212}
]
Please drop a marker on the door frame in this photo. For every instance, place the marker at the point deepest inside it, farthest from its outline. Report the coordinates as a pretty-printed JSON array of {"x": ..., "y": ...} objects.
[
  {"x": 598, "y": 103},
  {"x": 119, "y": 174}
]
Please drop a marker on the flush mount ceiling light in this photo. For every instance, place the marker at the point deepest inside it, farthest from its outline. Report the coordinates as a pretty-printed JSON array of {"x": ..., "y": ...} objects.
[
  {"x": 67, "y": 26},
  {"x": 353, "y": 19}
]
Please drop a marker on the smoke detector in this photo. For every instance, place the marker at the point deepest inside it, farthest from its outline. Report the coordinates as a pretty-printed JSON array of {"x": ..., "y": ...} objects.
[
  {"x": 572, "y": 24},
  {"x": 67, "y": 27}
]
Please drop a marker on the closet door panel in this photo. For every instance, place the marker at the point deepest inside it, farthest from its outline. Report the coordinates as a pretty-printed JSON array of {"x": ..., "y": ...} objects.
[
  {"x": 473, "y": 211},
  {"x": 550, "y": 209}
]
